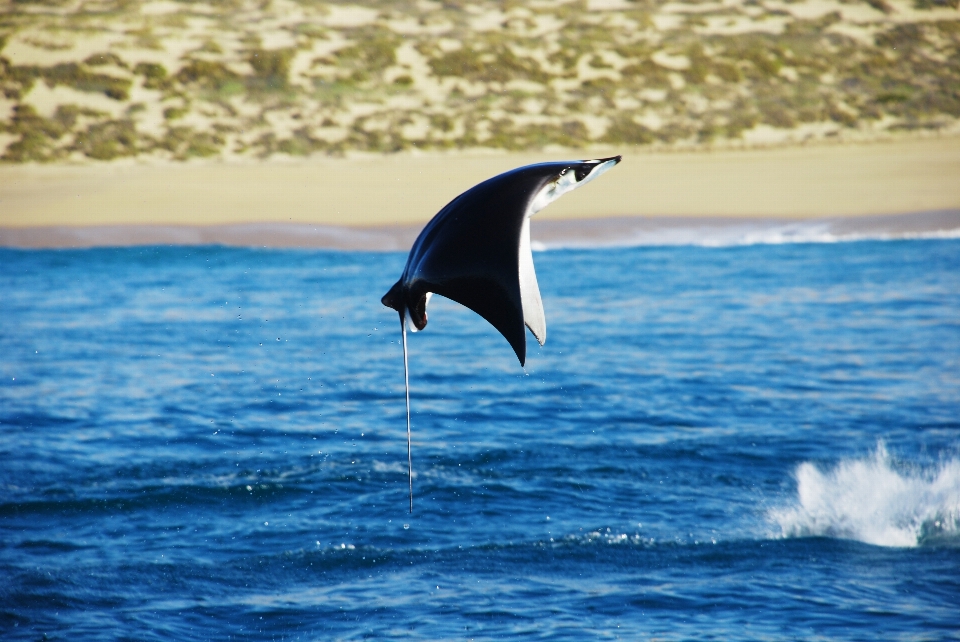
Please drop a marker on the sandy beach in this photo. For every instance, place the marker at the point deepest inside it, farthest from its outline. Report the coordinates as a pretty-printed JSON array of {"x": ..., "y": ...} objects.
[{"x": 378, "y": 202}]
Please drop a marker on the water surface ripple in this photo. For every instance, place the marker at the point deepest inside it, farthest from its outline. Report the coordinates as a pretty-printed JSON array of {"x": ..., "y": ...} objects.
[{"x": 715, "y": 443}]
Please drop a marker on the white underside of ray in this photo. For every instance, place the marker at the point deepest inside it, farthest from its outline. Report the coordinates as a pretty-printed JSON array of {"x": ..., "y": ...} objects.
[
  {"x": 566, "y": 183},
  {"x": 530, "y": 299}
]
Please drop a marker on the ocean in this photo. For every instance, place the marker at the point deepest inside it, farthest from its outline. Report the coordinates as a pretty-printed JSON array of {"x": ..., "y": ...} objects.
[{"x": 752, "y": 441}]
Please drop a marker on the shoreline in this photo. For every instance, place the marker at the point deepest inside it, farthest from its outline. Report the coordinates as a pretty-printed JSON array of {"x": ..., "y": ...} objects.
[
  {"x": 622, "y": 231},
  {"x": 353, "y": 198}
]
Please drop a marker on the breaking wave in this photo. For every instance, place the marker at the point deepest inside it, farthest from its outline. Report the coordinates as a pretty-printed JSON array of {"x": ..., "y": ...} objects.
[
  {"x": 875, "y": 501},
  {"x": 729, "y": 232}
]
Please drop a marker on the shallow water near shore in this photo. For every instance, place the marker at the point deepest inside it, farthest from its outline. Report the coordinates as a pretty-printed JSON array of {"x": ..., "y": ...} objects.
[{"x": 715, "y": 443}]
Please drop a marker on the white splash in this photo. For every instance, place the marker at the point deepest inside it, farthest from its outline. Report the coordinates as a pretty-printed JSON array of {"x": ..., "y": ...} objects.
[{"x": 873, "y": 501}]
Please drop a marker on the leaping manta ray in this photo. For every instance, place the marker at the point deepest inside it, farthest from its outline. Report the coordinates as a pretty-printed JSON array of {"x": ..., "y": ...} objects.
[{"x": 476, "y": 251}]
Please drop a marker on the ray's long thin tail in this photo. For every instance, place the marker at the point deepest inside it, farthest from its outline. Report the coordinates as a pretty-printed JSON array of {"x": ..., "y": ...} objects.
[{"x": 406, "y": 386}]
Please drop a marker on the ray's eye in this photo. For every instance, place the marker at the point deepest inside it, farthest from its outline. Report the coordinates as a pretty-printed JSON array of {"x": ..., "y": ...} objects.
[{"x": 583, "y": 171}]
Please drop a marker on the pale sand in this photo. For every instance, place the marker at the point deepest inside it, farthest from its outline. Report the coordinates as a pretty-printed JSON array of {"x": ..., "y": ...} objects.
[{"x": 116, "y": 204}]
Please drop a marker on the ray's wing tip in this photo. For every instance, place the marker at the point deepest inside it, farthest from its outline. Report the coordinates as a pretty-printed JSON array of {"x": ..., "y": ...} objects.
[
  {"x": 616, "y": 159},
  {"x": 521, "y": 352}
]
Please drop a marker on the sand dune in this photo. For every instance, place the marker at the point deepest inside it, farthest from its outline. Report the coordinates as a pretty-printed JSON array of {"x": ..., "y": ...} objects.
[{"x": 105, "y": 79}]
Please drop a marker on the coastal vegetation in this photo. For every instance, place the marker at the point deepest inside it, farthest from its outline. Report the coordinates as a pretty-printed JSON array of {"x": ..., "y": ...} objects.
[{"x": 104, "y": 79}]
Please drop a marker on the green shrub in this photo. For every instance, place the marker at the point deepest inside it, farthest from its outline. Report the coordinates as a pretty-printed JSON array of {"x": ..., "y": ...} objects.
[
  {"x": 777, "y": 115},
  {"x": 155, "y": 75},
  {"x": 727, "y": 72},
  {"x": 184, "y": 142},
  {"x": 78, "y": 77},
  {"x": 764, "y": 59},
  {"x": 699, "y": 67},
  {"x": 107, "y": 140},
  {"x": 495, "y": 66},
  {"x": 271, "y": 69},
  {"x": 37, "y": 136},
  {"x": 624, "y": 131},
  {"x": 740, "y": 119},
  {"x": 173, "y": 113},
  {"x": 104, "y": 59},
  {"x": 374, "y": 51},
  {"x": 892, "y": 97},
  {"x": 301, "y": 143},
  {"x": 936, "y": 4},
  {"x": 441, "y": 122},
  {"x": 212, "y": 76},
  {"x": 462, "y": 63},
  {"x": 650, "y": 72}
]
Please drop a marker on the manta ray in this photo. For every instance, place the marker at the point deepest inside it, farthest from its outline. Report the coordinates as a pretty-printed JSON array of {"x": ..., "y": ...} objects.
[{"x": 476, "y": 251}]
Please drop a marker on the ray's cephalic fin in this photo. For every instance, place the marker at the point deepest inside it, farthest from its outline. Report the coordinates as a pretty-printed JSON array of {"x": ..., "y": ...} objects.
[{"x": 476, "y": 251}]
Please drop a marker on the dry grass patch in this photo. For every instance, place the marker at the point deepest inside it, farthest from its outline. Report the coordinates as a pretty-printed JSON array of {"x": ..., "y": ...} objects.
[{"x": 253, "y": 78}]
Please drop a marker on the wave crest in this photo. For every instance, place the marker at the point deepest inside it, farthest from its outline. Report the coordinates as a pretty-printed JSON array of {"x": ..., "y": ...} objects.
[
  {"x": 871, "y": 501},
  {"x": 630, "y": 231}
]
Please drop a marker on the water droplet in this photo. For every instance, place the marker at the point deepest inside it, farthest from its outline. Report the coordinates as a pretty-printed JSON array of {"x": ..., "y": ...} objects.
[
  {"x": 406, "y": 526},
  {"x": 266, "y": 523}
]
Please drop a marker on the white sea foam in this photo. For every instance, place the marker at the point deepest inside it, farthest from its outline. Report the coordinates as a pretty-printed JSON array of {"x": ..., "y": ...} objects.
[
  {"x": 876, "y": 501},
  {"x": 728, "y": 232},
  {"x": 624, "y": 231}
]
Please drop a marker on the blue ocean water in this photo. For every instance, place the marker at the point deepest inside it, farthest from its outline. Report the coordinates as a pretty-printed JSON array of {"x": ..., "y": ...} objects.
[{"x": 754, "y": 442}]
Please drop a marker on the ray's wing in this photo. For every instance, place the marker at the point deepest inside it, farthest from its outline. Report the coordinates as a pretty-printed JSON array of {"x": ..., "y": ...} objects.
[
  {"x": 473, "y": 251},
  {"x": 476, "y": 250}
]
